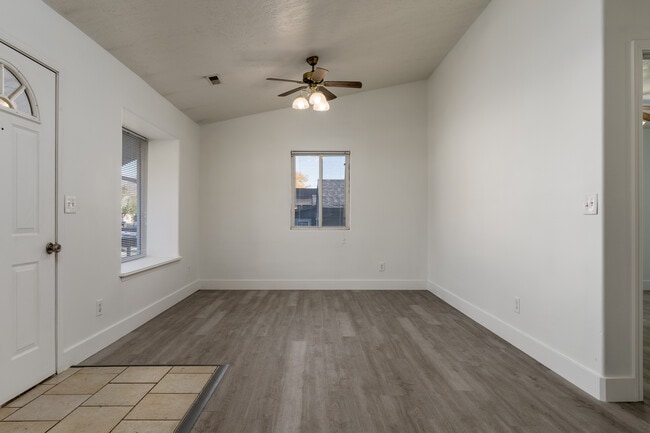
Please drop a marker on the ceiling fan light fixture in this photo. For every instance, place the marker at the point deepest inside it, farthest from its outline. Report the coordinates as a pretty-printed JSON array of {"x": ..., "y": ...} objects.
[
  {"x": 300, "y": 103},
  {"x": 314, "y": 89},
  {"x": 325, "y": 106},
  {"x": 317, "y": 98}
]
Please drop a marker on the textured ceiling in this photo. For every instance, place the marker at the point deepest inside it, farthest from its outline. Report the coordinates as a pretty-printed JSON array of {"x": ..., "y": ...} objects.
[{"x": 174, "y": 44}]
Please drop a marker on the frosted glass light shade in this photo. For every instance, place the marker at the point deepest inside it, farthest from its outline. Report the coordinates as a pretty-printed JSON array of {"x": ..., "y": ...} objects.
[
  {"x": 317, "y": 98},
  {"x": 300, "y": 103},
  {"x": 325, "y": 106}
]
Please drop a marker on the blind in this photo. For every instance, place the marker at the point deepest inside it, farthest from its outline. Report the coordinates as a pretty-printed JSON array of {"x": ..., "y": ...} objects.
[
  {"x": 134, "y": 215},
  {"x": 326, "y": 152}
]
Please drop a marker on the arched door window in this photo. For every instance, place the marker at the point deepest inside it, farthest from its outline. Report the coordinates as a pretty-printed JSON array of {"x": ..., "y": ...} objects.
[{"x": 15, "y": 93}]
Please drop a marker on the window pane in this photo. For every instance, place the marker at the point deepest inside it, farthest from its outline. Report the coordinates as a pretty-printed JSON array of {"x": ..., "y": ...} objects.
[
  {"x": 22, "y": 103},
  {"x": 11, "y": 82},
  {"x": 333, "y": 191},
  {"x": 306, "y": 182},
  {"x": 133, "y": 154}
]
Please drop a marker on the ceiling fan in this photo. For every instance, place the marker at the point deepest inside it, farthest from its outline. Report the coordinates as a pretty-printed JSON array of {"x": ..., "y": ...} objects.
[{"x": 314, "y": 89}]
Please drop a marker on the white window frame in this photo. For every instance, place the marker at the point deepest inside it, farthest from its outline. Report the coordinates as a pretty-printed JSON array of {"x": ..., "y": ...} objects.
[{"x": 320, "y": 155}]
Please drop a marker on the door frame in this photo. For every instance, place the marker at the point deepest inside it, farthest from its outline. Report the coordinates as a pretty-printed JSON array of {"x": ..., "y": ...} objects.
[
  {"x": 7, "y": 40},
  {"x": 636, "y": 129}
]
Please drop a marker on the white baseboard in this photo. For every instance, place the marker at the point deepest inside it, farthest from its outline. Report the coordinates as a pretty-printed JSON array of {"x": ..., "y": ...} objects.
[
  {"x": 83, "y": 349},
  {"x": 619, "y": 389},
  {"x": 571, "y": 370},
  {"x": 232, "y": 284}
]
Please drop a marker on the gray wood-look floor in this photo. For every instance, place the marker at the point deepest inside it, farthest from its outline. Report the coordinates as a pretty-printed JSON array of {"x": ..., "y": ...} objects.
[{"x": 362, "y": 362}]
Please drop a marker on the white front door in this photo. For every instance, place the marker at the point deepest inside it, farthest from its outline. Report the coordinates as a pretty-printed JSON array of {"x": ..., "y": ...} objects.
[{"x": 27, "y": 221}]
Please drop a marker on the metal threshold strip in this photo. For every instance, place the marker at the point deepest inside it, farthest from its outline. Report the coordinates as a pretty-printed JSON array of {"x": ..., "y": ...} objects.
[{"x": 197, "y": 407}]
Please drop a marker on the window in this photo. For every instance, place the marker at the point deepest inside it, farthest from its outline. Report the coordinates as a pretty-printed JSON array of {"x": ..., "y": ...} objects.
[
  {"x": 134, "y": 164},
  {"x": 321, "y": 190},
  {"x": 15, "y": 95}
]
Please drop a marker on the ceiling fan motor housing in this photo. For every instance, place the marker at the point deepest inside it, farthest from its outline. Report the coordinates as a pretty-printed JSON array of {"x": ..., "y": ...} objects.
[
  {"x": 315, "y": 81},
  {"x": 306, "y": 77}
]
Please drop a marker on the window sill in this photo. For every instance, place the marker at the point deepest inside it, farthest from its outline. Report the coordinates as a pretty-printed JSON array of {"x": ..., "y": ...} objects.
[{"x": 144, "y": 264}]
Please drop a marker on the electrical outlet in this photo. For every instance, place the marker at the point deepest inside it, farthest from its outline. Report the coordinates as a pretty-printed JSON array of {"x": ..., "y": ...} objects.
[
  {"x": 70, "y": 204},
  {"x": 517, "y": 305},
  {"x": 99, "y": 307},
  {"x": 382, "y": 266}
]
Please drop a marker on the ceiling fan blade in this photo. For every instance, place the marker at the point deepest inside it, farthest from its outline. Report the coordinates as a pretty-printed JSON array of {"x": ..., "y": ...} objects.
[
  {"x": 318, "y": 74},
  {"x": 352, "y": 84},
  {"x": 328, "y": 95},
  {"x": 292, "y": 91},
  {"x": 283, "y": 79}
]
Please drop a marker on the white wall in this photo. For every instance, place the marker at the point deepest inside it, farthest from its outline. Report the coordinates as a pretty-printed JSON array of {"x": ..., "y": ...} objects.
[
  {"x": 93, "y": 91},
  {"x": 246, "y": 196},
  {"x": 515, "y": 143}
]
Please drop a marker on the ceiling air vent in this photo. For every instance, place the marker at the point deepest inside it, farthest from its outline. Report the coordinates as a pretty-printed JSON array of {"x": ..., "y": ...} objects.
[{"x": 214, "y": 80}]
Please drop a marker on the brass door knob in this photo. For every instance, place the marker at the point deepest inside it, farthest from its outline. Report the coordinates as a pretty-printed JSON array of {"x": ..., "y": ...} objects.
[{"x": 52, "y": 247}]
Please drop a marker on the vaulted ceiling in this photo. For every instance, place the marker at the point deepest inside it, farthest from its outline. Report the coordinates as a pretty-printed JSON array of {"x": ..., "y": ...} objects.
[{"x": 173, "y": 45}]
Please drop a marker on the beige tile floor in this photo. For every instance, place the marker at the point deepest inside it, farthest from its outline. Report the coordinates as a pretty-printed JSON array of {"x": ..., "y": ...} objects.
[{"x": 107, "y": 400}]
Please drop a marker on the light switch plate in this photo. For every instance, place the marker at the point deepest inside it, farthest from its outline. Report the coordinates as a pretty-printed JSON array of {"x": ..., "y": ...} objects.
[
  {"x": 70, "y": 204},
  {"x": 591, "y": 204}
]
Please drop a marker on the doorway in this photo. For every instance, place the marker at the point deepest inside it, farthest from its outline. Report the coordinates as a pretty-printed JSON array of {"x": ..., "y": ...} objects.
[{"x": 27, "y": 222}]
